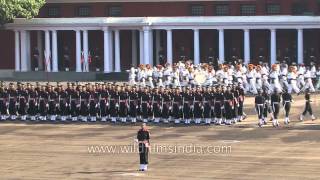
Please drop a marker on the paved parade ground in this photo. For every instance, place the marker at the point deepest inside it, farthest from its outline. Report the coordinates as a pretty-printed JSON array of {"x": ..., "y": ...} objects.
[{"x": 241, "y": 151}]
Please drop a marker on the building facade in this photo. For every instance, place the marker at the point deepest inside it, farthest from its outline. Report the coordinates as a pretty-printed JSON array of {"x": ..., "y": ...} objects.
[{"x": 132, "y": 32}]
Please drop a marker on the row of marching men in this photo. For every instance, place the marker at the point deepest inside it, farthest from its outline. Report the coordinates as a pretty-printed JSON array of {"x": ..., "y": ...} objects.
[
  {"x": 295, "y": 78},
  {"x": 266, "y": 103},
  {"x": 111, "y": 102}
]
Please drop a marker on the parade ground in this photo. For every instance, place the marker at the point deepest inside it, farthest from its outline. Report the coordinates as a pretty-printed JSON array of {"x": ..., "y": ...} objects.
[{"x": 242, "y": 151}]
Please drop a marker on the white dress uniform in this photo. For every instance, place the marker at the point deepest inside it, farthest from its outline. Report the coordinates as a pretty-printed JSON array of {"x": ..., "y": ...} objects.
[
  {"x": 225, "y": 77},
  {"x": 210, "y": 78},
  {"x": 275, "y": 84},
  {"x": 219, "y": 75},
  {"x": 251, "y": 78},
  {"x": 308, "y": 81},
  {"x": 292, "y": 83},
  {"x": 283, "y": 77},
  {"x": 258, "y": 80},
  {"x": 300, "y": 79},
  {"x": 141, "y": 77},
  {"x": 158, "y": 76},
  {"x": 184, "y": 77},
  {"x": 191, "y": 78},
  {"x": 167, "y": 76},
  {"x": 132, "y": 76},
  {"x": 265, "y": 77},
  {"x": 149, "y": 74},
  {"x": 239, "y": 77},
  {"x": 176, "y": 79}
]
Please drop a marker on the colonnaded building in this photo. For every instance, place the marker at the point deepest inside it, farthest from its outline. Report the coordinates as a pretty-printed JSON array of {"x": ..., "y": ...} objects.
[{"x": 112, "y": 35}]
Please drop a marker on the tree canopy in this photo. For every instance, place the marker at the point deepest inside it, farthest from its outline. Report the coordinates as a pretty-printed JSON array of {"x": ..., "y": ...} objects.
[{"x": 10, "y": 9}]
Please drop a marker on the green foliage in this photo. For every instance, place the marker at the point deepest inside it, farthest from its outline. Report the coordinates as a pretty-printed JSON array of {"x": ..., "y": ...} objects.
[{"x": 10, "y": 9}]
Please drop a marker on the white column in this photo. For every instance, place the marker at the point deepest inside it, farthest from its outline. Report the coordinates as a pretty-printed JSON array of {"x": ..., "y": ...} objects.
[
  {"x": 169, "y": 46},
  {"x": 111, "y": 51},
  {"x": 151, "y": 47},
  {"x": 221, "y": 46},
  {"x": 273, "y": 47},
  {"x": 47, "y": 51},
  {"x": 246, "y": 46},
  {"x": 106, "y": 49},
  {"x": 300, "y": 46},
  {"x": 141, "y": 46},
  {"x": 85, "y": 51},
  {"x": 117, "y": 51},
  {"x": 196, "y": 46},
  {"x": 158, "y": 41},
  {"x": 146, "y": 51},
  {"x": 28, "y": 50},
  {"x": 54, "y": 51},
  {"x": 40, "y": 48},
  {"x": 78, "y": 51},
  {"x": 134, "y": 48},
  {"x": 17, "y": 51},
  {"x": 23, "y": 38}
]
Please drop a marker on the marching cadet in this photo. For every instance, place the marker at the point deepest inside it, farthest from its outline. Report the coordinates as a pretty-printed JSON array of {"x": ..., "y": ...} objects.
[
  {"x": 133, "y": 104},
  {"x": 63, "y": 103},
  {"x": 283, "y": 75},
  {"x": 143, "y": 137},
  {"x": 267, "y": 106},
  {"x": 251, "y": 78},
  {"x": 286, "y": 102},
  {"x": 141, "y": 75},
  {"x": 83, "y": 97},
  {"x": 156, "y": 102},
  {"x": 241, "y": 114},
  {"x": 292, "y": 80},
  {"x": 113, "y": 104},
  {"x": 52, "y": 98},
  {"x": 145, "y": 104},
  {"x": 197, "y": 106},
  {"x": 149, "y": 74},
  {"x": 187, "y": 100},
  {"x": 300, "y": 79},
  {"x": 259, "y": 104},
  {"x": 132, "y": 76},
  {"x": 177, "y": 106},
  {"x": 123, "y": 104},
  {"x": 74, "y": 103},
  {"x": 103, "y": 98},
  {"x": 165, "y": 106},
  {"x": 3, "y": 103},
  {"x": 274, "y": 78},
  {"x": 32, "y": 103},
  {"x": 175, "y": 76},
  {"x": 275, "y": 103},
  {"x": 308, "y": 80},
  {"x": 258, "y": 77},
  {"x": 307, "y": 107},
  {"x": 207, "y": 100},
  {"x": 228, "y": 105},
  {"x": 218, "y": 105},
  {"x": 22, "y": 102},
  {"x": 93, "y": 104},
  {"x": 236, "y": 95},
  {"x": 42, "y": 101}
]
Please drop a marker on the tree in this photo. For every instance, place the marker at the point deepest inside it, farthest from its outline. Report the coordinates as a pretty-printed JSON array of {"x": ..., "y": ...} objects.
[{"x": 10, "y": 9}]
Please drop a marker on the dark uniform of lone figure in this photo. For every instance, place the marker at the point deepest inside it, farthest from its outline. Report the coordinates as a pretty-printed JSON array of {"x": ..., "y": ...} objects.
[{"x": 143, "y": 140}]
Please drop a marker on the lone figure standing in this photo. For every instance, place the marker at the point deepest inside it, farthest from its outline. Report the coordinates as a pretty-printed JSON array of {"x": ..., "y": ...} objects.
[{"x": 143, "y": 137}]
